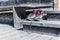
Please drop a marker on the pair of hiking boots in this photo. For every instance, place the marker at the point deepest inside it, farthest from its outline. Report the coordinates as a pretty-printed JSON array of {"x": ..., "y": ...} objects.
[{"x": 36, "y": 15}]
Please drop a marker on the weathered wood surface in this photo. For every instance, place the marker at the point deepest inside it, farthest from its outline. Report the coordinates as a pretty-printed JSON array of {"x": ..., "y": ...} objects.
[{"x": 9, "y": 33}]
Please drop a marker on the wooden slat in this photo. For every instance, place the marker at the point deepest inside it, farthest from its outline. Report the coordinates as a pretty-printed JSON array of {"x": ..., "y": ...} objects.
[
  {"x": 43, "y": 23},
  {"x": 27, "y": 5},
  {"x": 6, "y": 12}
]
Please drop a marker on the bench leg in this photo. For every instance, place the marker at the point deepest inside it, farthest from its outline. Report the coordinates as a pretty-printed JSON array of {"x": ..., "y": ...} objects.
[{"x": 17, "y": 20}]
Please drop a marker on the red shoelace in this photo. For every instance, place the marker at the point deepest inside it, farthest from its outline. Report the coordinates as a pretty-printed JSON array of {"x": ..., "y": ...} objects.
[{"x": 37, "y": 12}]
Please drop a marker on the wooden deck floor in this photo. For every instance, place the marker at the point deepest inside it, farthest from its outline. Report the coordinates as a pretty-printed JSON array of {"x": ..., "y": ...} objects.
[{"x": 9, "y": 33}]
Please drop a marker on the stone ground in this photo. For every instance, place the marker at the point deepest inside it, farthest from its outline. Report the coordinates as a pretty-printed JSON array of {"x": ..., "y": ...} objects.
[{"x": 7, "y": 32}]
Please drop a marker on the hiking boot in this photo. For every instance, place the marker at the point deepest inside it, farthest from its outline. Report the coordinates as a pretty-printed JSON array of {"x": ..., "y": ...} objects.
[{"x": 39, "y": 15}]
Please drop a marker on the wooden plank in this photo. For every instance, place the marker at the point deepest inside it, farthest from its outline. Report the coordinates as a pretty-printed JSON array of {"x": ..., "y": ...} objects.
[
  {"x": 43, "y": 23},
  {"x": 6, "y": 12},
  {"x": 27, "y": 5}
]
